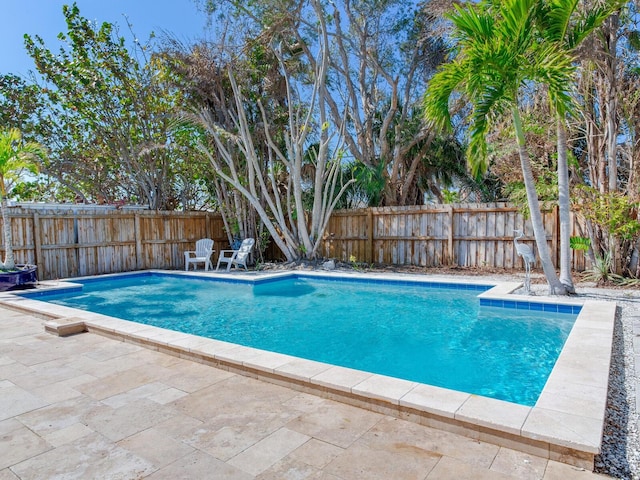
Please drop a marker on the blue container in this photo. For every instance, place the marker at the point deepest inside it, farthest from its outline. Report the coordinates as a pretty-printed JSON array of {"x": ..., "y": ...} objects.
[{"x": 24, "y": 277}]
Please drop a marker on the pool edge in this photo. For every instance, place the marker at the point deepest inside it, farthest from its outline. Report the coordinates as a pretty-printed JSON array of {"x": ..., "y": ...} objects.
[{"x": 550, "y": 429}]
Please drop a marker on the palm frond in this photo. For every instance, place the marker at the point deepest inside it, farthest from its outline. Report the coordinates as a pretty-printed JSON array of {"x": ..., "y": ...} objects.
[
  {"x": 493, "y": 100},
  {"x": 471, "y": 25},
  {"x": 17, "y": 156},
  {"x": 559, "y": 23},
  {"x": 585, "y": 25},
  {"x": 556, "y": 20},
  {"x": 554, "y": 67},
  {"x": 517, "y": 18},
  {"x": 442, "y": 85}
]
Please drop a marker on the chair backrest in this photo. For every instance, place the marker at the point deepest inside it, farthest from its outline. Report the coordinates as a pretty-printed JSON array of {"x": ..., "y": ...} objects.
[
  {"x": 204, "y": 247},
  {"x": 245, "y": 249}
]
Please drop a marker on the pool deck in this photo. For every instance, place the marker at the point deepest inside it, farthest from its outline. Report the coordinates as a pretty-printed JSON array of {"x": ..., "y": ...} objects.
[{"x": 413, "y": 422}]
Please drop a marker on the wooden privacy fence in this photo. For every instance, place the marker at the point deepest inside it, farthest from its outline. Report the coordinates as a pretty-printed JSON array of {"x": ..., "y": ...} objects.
[
  {"x": 466, "y": 235},
  {"x": 71, "y": 241}
]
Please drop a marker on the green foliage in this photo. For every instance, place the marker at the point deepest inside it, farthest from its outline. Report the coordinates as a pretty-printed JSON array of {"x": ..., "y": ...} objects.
[
  {"x": 614, "y": 212},
  {"x": 43, "y": 189},
  {"x": 16, "y": 158},
  {"x": 108, "y": 117},
  {"x": 451, "y": 196},
  {"x": 580, "y": 243},
  {"x": 367, "y": 190},
  {"x": 627, "y": 282},
  {"x": 20, "y": 104},
  {"x": 359, "y": 266},
  {"x": 602, "y": 271},
  {"x": 546, "y": 188}
]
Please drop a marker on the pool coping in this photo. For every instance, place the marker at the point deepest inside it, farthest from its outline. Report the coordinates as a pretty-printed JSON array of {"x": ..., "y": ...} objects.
[{"x": 565, "y": 424}]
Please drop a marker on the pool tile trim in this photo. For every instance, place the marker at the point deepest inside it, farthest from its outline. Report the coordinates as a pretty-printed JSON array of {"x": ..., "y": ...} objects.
[
  {"x": 75, "y": 284},
  {"x": 551, "y": 429}
]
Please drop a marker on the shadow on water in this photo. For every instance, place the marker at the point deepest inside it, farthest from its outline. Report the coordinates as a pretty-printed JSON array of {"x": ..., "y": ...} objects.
[
  {"x": 612, "y": 460},
  {"x": 282, "y": 289}
]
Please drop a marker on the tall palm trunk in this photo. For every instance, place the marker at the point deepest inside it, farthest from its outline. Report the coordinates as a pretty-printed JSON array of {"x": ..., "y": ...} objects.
[
  {"x": 555, "y": 287},
  {"x": 564, "y": 207},
  {"x": 9, "y": 262}
]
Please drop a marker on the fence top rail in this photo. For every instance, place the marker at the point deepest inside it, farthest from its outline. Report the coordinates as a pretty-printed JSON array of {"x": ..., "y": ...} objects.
[
  {"x": 431, "y": 208},
  {"x": 63, "y": 210}
]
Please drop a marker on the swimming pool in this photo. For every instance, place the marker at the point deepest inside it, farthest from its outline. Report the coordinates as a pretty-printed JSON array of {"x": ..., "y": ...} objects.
[{"x": 432, "y": 333}]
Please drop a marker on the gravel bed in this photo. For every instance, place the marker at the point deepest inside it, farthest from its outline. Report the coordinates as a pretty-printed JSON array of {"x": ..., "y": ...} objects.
[{"x": 620, "y": 457}]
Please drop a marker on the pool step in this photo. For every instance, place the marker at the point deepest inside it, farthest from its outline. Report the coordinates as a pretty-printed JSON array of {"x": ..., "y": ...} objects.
[{"x": 64, "y": 327}]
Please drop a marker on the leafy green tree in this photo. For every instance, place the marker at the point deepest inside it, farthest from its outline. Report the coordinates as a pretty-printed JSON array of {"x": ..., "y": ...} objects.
[
  {"x": 614, "y": 213},
  {"x": 109, "y": 116},
  {"x": 497, "y": 53},
  {"x": 21, "y": 102},
  {"x": 16, "y": 156}
]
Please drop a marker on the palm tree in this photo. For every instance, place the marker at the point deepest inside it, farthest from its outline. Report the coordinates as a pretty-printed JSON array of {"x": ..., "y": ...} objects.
[
  {"x": 560, "y": 22},
  {"x": 16, "y": 156},
  {"x": 498, "y": 53}
]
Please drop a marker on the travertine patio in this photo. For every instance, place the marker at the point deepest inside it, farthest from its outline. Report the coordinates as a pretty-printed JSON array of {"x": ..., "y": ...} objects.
[{"x": 87, "y": 406}]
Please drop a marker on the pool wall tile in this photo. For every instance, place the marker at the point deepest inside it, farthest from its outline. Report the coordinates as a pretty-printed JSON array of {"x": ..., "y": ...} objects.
[
  {"x": 47, "y": 293},
  {"x": 528, "y": 305},
  {"x": 114, "y": 276},
  {"x": 480, "y": 287}
]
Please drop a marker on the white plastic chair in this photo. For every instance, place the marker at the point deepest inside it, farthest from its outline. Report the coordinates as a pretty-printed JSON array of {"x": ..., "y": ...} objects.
[
  {"x": 236, "y": 257},
  {"x": 202, "y": 254}
]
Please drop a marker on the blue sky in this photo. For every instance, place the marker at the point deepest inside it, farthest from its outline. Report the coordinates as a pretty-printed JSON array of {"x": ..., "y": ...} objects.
[{"x": 44, "y": 18}]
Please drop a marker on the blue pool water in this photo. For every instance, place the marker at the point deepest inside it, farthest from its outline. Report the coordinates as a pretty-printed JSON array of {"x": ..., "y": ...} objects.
[{"x": 438, "y": 336}]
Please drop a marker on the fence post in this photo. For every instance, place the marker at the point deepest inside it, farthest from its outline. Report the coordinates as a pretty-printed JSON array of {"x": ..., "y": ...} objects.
[
  {"x": 556, "y": 235},
  {"x": 37, "y": 245},
  {"x": 138, "y": 235},
  {"x": 450, "y": 239},
  {"x": 370, "y": 252}
]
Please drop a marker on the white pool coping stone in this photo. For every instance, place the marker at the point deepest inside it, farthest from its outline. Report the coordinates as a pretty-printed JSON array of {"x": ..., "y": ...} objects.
[{"x": 566, "y": 423}]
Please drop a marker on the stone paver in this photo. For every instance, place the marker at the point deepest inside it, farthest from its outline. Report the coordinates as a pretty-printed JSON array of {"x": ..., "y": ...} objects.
[{"x": 86, "y": 406}]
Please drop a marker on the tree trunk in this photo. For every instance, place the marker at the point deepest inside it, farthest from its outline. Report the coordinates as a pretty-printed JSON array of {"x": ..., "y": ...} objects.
[
  {"x": 611, "y": 128},
  {"x": 611, "y": 106},
  {"x": 9, "y": 262},
  {"x": 564, "y": 207},
  {"x": 555, "y": 287}
]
